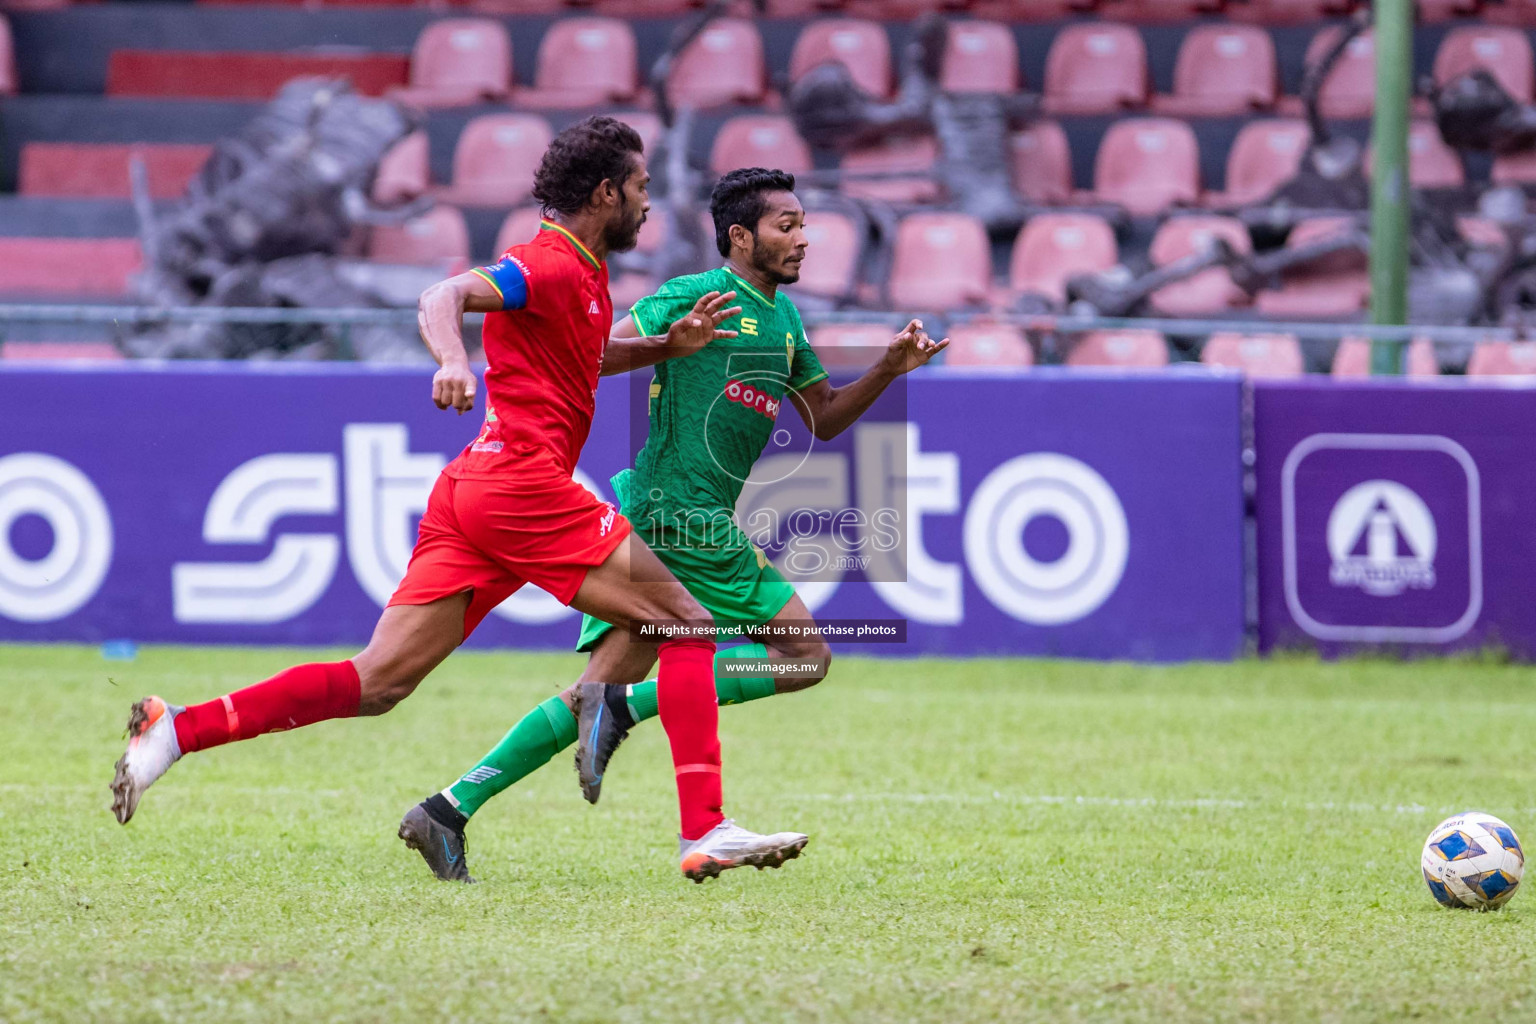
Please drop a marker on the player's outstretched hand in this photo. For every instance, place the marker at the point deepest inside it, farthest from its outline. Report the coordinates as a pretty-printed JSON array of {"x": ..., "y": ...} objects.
[
  {"x": 453, "y": 387},
  {"x": 912, "y": 348},
  {"x": 701, "y": 324}
]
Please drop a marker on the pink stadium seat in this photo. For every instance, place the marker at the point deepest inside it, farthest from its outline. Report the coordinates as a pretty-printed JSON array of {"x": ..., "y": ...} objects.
[
  {"x": 1502, "y": 359},
  {"x": 980, "y": 56},
  {"x": 1222, "y": 69},
  {"x": 648, "y": 126},
  {"x": 1209, "y": 291},
  {"x": 1515, "y": 169},
  {"x": 1142, "y": 11},
  {"x": 1482, "y": 232},
  {"x": 1504, "y": 52},
  {"x": 1133, "y": 349},
  {"x": 626, "y": 289},
  {"x": 1519, "y": 13},
  {"x": 72, "y": 351},
  {"x": 1257, "y": 355},
  {"x": 495, "y": 159},
  {"x": 831, "y": 266},
  {"x": 96, "y": 268},
  {"x": 585, "y": 62},
  {"x": 941, "y": 261},
  {"x": 1148, "y": 164},
  {"x": 1335, "y": 286},
  {"x": 987, "y": 344},
  {"x": 896, "y": 155},
  {"x": 458, "y": 61},
  {"x": 1350, "y": 88},
  {"x": 521, "y": 226},
  {"x": 1029, "y": 10},
  {"x": 1432, "y": 11},
  {"x": 1056, "y": 246},
  {"x": 759, "y": 140},
  {"x": 1042, "y": 163},
  {"x": 723, "y": 64},
  {"x": 860, "y": 46},
  {"x": 439, "y": 236},
  {"x": 1264, "y": 156},
  {"x": 7, "y": 59},
  {"x": 1432, "y": 163},
  {"x": 99, "y": 170},
  {"x": 405, "y": 172},
  {"x": 1286, "y": 12},
  {"x": 241, "y": 75},
  {"x": 1353, "y": 358},
  {"x": 1095, "y": 69},
  {"x": 849, "y": 345}
]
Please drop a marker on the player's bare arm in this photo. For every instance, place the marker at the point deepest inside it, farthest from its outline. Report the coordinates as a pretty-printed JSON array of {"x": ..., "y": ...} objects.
[
  {"x": 629, "y": 350},
  {"x": 440, "y": 315},
  {"x": 828, "y": 411}
]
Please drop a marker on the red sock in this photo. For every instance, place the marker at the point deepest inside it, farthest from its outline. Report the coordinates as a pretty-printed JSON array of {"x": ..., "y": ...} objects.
[
  {"x": 298, "y": 697},
  {"x": 685, "y": 697}
]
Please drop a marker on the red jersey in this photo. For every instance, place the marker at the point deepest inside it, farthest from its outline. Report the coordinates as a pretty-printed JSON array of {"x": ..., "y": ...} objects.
[{"x": 545, "y": 350}]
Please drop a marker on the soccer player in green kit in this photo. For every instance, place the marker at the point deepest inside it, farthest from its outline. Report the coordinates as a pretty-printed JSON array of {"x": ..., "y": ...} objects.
[{"x": 712, "y": 412}]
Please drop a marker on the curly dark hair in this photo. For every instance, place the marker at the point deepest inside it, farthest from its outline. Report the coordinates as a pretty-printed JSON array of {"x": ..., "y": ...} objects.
[
  {"x": 738, "y": 199},
  {"x": 581, "y": 158}
]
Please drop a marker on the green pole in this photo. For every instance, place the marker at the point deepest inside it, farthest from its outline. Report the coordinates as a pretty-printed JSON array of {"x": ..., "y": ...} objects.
[{"x": 1389, "y": 177}]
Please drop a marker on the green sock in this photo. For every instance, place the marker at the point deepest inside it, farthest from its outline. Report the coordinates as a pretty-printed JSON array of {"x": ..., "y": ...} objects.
[
  {"x": 729, "y": 689},
  {"x": 542, "y": 733}
]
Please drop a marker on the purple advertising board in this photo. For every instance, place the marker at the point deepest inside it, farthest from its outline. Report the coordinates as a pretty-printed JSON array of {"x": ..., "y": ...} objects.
[
  {"x": 1396, "y": 515},
  {"x": 1045, "y": 513}
]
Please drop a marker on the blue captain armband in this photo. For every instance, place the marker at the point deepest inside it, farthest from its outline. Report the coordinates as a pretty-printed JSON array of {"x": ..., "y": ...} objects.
[{"x": 510, "y": 279}]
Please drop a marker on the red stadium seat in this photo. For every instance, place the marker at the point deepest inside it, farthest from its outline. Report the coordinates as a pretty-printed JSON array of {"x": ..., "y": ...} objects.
[
  {"x": 722, "y": 65},
  {"x": 759, "y": 140},
  {"x": 1042, "y": 163},
  {"x": 1503, "y": 52},
  {"x": 1257, "y": 355},
  {"x": 521, "y": 225},
  {"x": 1353, "y": 358},
  {"x": 860, "y": 46},
  {"x": 1285, "y": 12},
  {"x": 405, "y": 172},
  {"x": 1209, "y": 291},
  {"x": 96, "y": 268},
  {"x": 1222, "y": 69},
  {"x": 495, "y": 159},
  {"x": 1128, "y": 350},
  {"x": 831, "y": 266},
  {"x": 1142, "y": 11},
  {"x": 585, "y": 62},
  {"x": 1502, "y": 359},
  {"x": 1028, "y": 10},
  {"x": 244, "y": 75},
  {"x": 1515, "y": 169},
  {"x": 980, "y": 56},
  {"x": 894, "y": 156},
  {"x": 1095, "y": 69},
  {"x": 1148, "y": 164},
  {"x": 7, "y": 59},
  {"x": 71, "y": 351},
  {"x": 1265, "y": 155},
  {"x": 849, "y": 345},
  {"x": 987, "y": 344},
  {"x": 1056, "y": 246},
  {"x": 941, "y": 261},
  {"x": 1334, "y": 286},
  {"x": 459, "y": 61},
  {"x": 439, "y": 236},
  {"x": 1350, "y": 88},
  {"x": 99, "y": 170},
  {"x": 1432, "y": 11}
]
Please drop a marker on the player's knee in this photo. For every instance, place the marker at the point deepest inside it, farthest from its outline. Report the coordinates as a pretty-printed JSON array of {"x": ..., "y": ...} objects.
[
  {"x": 385, "y": 681},
  {"x": 821, "y": 654},
  {"x": 681, "y": 606}
]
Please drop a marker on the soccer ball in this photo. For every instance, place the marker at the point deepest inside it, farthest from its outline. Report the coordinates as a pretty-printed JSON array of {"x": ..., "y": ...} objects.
[{"x": 1473, "y": 860}]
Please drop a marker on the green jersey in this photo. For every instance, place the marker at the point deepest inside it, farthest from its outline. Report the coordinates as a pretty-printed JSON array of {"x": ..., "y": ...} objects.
[{"x": 712, "y": 413}]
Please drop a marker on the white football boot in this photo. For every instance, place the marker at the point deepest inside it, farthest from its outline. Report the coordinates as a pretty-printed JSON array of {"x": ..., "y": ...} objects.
[
  {"x": 152, "y": 748},
  {"x": 728, "y": 845}
]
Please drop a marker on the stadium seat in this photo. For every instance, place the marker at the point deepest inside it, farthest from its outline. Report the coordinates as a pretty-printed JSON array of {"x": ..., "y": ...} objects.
[
  {"x": 1209, "y": 291},
  {"x": 1027, "y": 10},
  {"x": 1042, "y": 163},
  {"x": 1147, "y": 164},
  {"x": 1132, "y": 349},
  {"x": 860, "y": 46},
  {"x": 722, "y": 65},
  {"x": 1222, "y": 69},
  {"x": 521, "y": 225},
  {"x": 1350, "y": 88},
  {"x": 988, "y": 344},
  {"x": 980, "y": 56},
  {"x": 831, "y": 266},
  {"x": 405, "y": 171},
  {"x": 846, "y": 346},
  {"x": 1053, "y": 247},
  {"x": 243, "y": 75},
  {"x": 7, "y": 59},
  {"x": 941, "y": 261},
  {"x": 759, "y": 140},
  {"x": 1504, "y": 52},
  {"x": 100, "y": 170},
  {"x": 1286, "y": 12},
  {"x": 584, "y": 62},
  {"x": 1514, "y": 169},
  {"x": 894, "y": 156},
  {"x": 1432, "y": 11},
  {"x": 1095, "y": 69},
  {"x": 71, "y": 351},
  {"x": 645, "y": 123},
  {"x": 1432, "y": 163},
  {"x": 495, "y": 159},
  {"x": 626, "y": 289},
  {"x": 439, "y": 236},
  {"x": 1502, "y": 359},
  {"x": 1264, "y": 156},
  {"x": 1257, "y": 355},
  {"x": 1335, "y": 286},
  {"x": 459, "y": 61},
  {"x": 1353, "y": 358},
  {"x": 1482, "y": 232},
  {"x": 94, "y": 268}
]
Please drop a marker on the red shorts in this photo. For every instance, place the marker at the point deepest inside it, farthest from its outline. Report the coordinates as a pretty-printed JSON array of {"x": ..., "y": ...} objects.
[{"x": 533, "y": 525}]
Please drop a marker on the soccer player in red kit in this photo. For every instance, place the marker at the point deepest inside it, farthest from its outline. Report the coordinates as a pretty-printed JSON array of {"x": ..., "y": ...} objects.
[{"x": 506, "y": 511}]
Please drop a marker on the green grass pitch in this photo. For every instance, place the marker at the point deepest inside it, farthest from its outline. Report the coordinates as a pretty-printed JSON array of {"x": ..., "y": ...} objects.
[{"x": 991, "y": 840}]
